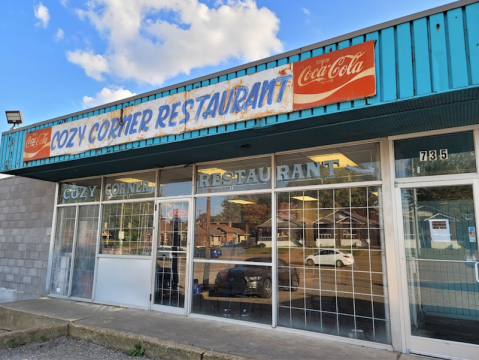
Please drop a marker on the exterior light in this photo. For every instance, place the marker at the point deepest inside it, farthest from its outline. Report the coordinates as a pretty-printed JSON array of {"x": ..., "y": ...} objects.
[{"x": 14, "y": 117}]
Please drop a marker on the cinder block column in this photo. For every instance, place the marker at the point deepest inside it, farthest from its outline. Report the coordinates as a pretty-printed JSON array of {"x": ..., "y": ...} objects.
[{"x": 26, "y": 213}]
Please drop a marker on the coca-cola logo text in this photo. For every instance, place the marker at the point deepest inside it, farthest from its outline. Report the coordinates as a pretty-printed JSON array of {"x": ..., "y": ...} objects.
[
  {"x": 37, "y": 141},
  {"x": 344, "y": 65}
]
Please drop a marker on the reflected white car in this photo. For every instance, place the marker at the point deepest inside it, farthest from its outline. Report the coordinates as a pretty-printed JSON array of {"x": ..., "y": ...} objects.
[{"x": 330, "y": 257}]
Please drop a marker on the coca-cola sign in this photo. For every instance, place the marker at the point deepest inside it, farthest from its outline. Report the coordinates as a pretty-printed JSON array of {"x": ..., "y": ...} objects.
[
  {"x": 37, "y": 144},
  {"x": 342, "y": 75}
]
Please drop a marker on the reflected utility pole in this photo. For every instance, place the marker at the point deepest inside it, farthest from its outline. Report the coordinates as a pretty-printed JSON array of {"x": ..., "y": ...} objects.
[{"x": 206, "y": 271}]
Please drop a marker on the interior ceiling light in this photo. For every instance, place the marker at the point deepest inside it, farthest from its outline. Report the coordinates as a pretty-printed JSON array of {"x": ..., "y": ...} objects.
[
  {"x": 304, "y": 198},
  {"x": 210, "y": 171},
  {"x": 133, "y": 180},
  {"x": 343, "y": 159},
  {"x": 242, "y": 202}
]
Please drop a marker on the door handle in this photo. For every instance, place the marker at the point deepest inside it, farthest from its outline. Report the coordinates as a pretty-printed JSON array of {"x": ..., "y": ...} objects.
[{"x": 477, "y": 271}]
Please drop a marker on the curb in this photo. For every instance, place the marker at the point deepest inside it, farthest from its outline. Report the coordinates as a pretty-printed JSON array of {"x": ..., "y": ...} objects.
[
  {"x": 154, "y": 347},
  {"x": 41, "y": 334}
]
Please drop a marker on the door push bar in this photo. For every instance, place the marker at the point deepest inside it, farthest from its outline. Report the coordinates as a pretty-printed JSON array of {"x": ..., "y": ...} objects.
[{"x": 477, "y": 271}]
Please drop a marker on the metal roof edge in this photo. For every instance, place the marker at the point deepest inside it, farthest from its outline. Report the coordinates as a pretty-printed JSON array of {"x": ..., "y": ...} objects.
[{"x": 380, "y": 26}]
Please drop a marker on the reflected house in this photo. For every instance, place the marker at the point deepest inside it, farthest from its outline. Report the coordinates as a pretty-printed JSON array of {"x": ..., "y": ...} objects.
[
  {"x": 437, "y": 214},
  {"x": 216, "y": 235},
  {"x": 290, "y": 230},
  {"x": 165, "y": 235},
  {"x": 231, "y": 235},
  {"x": 345, "y": 228}
]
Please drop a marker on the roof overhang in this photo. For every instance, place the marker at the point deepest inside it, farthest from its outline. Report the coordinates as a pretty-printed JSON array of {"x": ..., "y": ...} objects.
[{"x": 441, "y": 111}]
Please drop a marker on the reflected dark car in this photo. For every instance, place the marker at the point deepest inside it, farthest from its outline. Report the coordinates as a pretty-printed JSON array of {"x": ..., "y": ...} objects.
[
  {"x": 214, "y": 252},
  {"x": 255, "y": 280}
]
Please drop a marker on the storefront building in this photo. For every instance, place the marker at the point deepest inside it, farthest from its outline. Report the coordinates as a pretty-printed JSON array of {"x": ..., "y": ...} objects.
[{"x": 331, "y": 190}]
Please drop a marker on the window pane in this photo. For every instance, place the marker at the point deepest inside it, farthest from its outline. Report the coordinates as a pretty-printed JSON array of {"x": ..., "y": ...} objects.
[
  {"x": 235, "y": 175},
  {"x": 62, "y": 252},
  {"x": 175, "y": 182},
  {"x": 233, "y": 227},
  {"x": 233, "y": 291},
  {"x": 330, "y": 166},
  {"x": 80, "y": 191},
  {"x": 85, "y": 252},
  {"x": 127, "y": 228},
  {"x": 331, "y": 264},
  {"x": 132, "y": 186},
  {"x": 435, "y": 155}
]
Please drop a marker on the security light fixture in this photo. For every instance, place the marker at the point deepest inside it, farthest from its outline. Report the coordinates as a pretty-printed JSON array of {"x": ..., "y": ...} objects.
[{"x": 14, "y": 117}]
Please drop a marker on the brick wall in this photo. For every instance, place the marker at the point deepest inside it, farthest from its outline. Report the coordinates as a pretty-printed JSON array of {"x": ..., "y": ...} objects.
[{"x": 26, "y": 213}]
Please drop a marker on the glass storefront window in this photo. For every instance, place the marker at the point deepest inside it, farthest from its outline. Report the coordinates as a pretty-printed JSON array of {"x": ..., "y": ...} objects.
[
  {"x": 62, "y": 252},
  {"x": 175, "y": 182},
  {"x": 85, "y": 251},
  {"x": 127, "y": 228},
  {"x": 435, "y": 155},
  {"x": 331, "y": 263},
  {"x": 234, "y": 227},
  {"x": 130, "y": 186},
  {"x": 237, "y": 175},
  {"x": 80, "y": 191},
  {"x": 231, "y": 291},
  {"x": 330, "y": 166}
]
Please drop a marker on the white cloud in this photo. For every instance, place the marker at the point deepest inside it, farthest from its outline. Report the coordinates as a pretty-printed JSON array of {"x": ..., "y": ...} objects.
[
  {"x": 152, "y": 40},
  {"x": 106, "y": 95},
  {"x": 306, "y": 11},
  {"x": 59, "y": 35},
  {"x": 42, "y": 14},
  {"x": 64, "y": 2},
  {"x": 94, "y": 65}
]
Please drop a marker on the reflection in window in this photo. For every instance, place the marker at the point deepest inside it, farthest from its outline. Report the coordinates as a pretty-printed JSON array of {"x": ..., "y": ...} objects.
[
  {"x": 330, "y": 166},
  {"x": 130, "y": 186},
  {"x": 85, "y": 252},
  {"x": 333, "y": 240},
  {"x": 233, "y": 227},
  {"x": 80, "y": 191},
  {"x": 436, "y": 222},
  {"x": 62, "y": 252},
  {"x": 127, "y": 228},
  {"x": 240, "y": 292},
  {"x": 237, "y": 175},
  {"x": 435, "y": 155},
  {"x": 175, "y": 182}
]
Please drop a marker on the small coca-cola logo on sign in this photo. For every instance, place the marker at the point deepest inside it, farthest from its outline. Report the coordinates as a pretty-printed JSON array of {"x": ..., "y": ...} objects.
[
  {"x": 343, "y": 66},
  {"x": 37, "y": 144},
  {"x": 39, "y": 140},
  {"x": 337, "y": 76}
]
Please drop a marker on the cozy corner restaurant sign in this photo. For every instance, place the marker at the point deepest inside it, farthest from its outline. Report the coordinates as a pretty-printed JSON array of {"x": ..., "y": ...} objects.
[{"x": 337, "y": 76}]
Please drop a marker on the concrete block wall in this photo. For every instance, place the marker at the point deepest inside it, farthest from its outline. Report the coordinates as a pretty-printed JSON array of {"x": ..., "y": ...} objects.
[{"x": 26, "y": 213}]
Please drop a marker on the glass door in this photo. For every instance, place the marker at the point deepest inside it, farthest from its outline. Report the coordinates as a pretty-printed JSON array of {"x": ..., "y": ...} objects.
[
  {"x": 440, "y": 241},
  {"x": 76, "y": 237},
  {"x": 170, "y": 267}
]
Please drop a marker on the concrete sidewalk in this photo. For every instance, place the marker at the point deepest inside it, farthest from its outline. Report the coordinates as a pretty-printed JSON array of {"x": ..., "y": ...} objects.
[{"x": 177, "y": 337}]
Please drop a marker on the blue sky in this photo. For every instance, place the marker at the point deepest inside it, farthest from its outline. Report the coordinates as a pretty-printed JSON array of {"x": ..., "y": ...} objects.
[{"x": 63, "y": 56}]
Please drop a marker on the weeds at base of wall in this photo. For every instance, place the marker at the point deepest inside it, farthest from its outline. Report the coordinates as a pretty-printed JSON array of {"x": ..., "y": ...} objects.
[
  {"x": 137, "y": 351},
  {"x": 13, "y": 344}
]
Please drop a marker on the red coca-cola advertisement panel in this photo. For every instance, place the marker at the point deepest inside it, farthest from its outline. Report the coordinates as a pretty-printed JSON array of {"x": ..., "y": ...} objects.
[
  {"x": 37, "y": 144},
  {"x": 341, "y": 75}
]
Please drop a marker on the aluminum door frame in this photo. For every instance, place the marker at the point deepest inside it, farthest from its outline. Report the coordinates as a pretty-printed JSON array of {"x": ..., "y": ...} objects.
[
  {"x": 188, "y": 285},
  {"x": 416, "y": 344}
]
